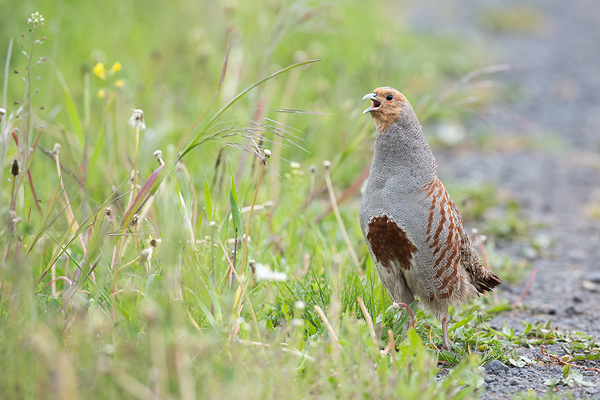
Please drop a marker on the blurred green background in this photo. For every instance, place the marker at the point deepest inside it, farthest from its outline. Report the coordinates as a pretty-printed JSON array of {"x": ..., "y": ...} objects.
[{"x": 172, "y": 53}]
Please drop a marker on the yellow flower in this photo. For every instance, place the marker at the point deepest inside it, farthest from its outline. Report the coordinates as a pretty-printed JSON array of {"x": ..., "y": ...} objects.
[
  {"x": 119, "y": 83},
  {"x": 99, "y": 71},
  {"x": 115, "y": 68},
  {"x": 101, "y": 93}
]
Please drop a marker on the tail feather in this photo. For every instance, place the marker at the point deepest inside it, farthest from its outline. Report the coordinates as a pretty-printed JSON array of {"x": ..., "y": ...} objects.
[{"x": 487, "y": 281}]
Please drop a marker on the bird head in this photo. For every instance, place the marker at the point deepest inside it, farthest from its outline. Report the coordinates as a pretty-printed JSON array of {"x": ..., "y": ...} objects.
[{"x": 386, "y": 105}]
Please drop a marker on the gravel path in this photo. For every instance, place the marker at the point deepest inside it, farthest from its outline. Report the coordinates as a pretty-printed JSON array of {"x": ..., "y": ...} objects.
[{"x": 558, "y": 79}]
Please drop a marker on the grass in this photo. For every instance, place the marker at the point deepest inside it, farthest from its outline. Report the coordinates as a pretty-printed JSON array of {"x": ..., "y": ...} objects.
[{"x": 207, "y": 274}]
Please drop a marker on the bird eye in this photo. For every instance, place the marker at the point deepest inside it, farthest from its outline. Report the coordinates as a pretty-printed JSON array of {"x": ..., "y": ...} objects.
[{"x": 389, "y": 97}]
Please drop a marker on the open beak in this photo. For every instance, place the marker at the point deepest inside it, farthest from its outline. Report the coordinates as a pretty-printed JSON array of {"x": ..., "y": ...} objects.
[{"x": 375, "y": 104}]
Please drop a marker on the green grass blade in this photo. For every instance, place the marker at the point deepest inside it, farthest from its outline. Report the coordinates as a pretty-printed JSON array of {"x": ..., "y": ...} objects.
[
  {"x": 194, "y": 141},
  {"x": 207, "y": 201},
  {"x": 235, "y": 213},
  {"x": 43, "y": 226}
]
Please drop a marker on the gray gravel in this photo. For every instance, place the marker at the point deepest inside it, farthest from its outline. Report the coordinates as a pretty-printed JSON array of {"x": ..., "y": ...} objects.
[{"x": 558, "y": 78}]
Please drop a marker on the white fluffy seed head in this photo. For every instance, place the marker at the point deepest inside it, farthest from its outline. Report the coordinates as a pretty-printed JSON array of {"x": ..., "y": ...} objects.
[
  {"x": 327, "y": 164},
  {"x": 137, "y": 119}
]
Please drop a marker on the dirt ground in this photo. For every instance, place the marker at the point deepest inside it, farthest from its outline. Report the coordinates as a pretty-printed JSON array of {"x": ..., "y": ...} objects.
[{"x": 555, "y": 54}]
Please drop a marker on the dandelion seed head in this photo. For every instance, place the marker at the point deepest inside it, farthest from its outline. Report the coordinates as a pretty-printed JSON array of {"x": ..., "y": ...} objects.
[
  {"x": 313, "y": 169},
  {"x": 109, "y": 214},
  {"x": 267, "y": 153},
  {"x": 137, "y": 119},
  {"x": 264, "y": 273},
  {"x": 327, "y": 164}
]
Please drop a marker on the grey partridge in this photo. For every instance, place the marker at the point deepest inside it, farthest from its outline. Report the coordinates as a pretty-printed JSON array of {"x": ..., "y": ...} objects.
[{"x": 411, "y": 225}]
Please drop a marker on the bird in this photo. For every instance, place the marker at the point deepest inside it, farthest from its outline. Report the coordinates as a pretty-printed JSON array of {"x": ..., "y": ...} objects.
[{"x": 412, "y": 228}]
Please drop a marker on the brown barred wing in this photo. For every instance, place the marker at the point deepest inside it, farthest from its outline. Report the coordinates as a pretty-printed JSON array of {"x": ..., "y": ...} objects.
[{"x": 443, "y": 236}]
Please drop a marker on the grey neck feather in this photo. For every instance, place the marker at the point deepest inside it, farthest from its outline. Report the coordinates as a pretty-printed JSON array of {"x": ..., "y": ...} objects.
[{"x": 402, "y": 152}]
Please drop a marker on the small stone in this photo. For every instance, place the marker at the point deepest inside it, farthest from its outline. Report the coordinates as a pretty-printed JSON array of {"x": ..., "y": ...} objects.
[
  {"x": 577, "y": 299},
  {"x": 495, "y": 366},
  {"x": 514, "y": 382},
  {"x": 589, "y": 285},
  {"x": 490, "y": 378},
  {"x": 593, "y": 277},
  {"x": 571, "y": 311}
]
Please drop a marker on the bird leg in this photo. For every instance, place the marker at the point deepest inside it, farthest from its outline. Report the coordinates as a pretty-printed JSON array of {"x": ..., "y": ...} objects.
[
  {"x": 396, "y": 305},
  {"x": 446, "y": 345}
]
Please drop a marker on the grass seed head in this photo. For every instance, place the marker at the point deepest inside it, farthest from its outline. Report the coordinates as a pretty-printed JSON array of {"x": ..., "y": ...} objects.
[{"x": 15, "y": 169}]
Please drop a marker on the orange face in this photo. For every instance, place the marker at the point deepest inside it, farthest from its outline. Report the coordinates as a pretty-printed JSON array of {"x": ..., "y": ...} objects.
[{"x": 386, "y": 105}]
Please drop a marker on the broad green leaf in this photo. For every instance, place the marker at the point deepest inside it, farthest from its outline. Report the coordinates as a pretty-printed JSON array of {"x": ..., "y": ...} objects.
[
  {"x": 463, "y": 322},
  {"x": 551, "y": 382}
]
